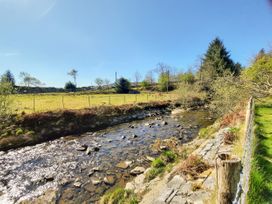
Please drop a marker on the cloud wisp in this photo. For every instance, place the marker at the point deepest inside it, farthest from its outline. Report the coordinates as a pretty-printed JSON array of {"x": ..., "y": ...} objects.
[{"x": 48, "y": 9}]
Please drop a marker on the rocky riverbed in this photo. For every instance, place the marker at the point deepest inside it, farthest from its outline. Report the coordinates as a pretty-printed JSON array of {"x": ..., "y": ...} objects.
[{"x": 80, "y": 168}]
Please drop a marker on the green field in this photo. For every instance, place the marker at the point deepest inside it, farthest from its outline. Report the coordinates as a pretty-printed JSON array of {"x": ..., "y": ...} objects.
[
  {"x": 261, "y": 174},
  {"x": 30, "y": 103}
]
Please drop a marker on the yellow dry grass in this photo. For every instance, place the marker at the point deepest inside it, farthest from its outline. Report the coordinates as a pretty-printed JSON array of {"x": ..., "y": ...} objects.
[{"x": 30, "y": 103}]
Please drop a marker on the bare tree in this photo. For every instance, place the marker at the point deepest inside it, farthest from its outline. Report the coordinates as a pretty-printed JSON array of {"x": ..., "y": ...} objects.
[
  {"x": 29, "y": 80},
  {"x": 73, "y": 73},
  {"x": 99, "y": 82},
  {"x": 107, "y": 83},
  {"x": 150, "y": 77},
  {"x": 138, "y": 77}
]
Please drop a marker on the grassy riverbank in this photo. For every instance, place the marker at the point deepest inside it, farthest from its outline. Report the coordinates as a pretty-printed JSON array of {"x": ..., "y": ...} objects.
[{"x": 261, "y": 180}]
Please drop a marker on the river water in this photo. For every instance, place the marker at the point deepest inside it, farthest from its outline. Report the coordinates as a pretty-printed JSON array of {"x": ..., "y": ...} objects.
[{"x": 76, "y": 174}]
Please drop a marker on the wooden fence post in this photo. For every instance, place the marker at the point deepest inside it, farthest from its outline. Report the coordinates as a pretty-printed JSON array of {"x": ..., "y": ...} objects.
[
  {"x": 62, "y": 101},
  {"x": 228, "y": 175},
  {"x": 34, "y": 104},
  {"x": 89, "y": 101}
]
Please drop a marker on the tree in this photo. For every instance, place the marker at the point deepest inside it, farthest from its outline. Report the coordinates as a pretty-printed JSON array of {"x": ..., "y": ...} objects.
[
  {"x": 146, "y": 84},
  {"x": 122, "y": 85},
  {"x": 8, "y": 77},
  {"x": 138, "y": 77},
  {"x": 259, "y": 75},
  {"x": 149, "y": 77},
  {"x": 99, "y": 82},
  {"x": 6, "y": 89},
  {"x": 164, "y": 82},
  {"x": 217, "y": 62},
  {"x": 107, "y": 83},
  {"x": 69, "y": 86},
  {"x": 28, "y": 80},
  {"x": 187, "y": 78},
  {"x": 73, "y": 73},
  {"x": 228, "y": 92}
]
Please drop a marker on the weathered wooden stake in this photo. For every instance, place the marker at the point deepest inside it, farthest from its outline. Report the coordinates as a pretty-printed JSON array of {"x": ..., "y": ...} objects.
[{"x": 228, "y": 175}]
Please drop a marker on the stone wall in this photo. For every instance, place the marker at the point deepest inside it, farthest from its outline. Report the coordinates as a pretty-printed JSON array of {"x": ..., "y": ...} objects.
[{"x": 243, "y": 185}]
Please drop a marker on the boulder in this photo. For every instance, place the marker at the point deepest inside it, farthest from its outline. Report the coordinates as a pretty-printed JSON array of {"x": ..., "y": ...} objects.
[
  {"x": 137, "y": 170},
  {"x": 109, "y": 180},
  {"x": 124, "y": 164}
]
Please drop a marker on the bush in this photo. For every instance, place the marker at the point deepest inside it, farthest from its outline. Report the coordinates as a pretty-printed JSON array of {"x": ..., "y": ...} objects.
[
  {"x": 193, "y": 166},
  {"x": 119, "y": 196},
  {"x": 122, "y": 86},
  {"x": 69, "y": 86},
  {"x": 169, "y": 156},
  {"x": 153, "y": 173},
  {"x": 158, "y": 163},
  {"x": 5, "y": 101},
  {"x": 231, "y": 135}
]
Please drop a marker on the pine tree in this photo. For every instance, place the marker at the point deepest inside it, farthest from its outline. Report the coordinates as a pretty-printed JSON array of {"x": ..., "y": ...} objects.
[
  {"x": 8, "y": 77},
  {"x": 217, "y": 61}
]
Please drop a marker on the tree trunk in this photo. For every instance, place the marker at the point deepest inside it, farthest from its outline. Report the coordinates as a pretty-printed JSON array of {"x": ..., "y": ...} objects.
[{"x": 228, "y": 175}]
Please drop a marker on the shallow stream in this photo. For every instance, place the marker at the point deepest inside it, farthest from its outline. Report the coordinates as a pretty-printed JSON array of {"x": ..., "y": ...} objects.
[{"x": 80, "y": 168}]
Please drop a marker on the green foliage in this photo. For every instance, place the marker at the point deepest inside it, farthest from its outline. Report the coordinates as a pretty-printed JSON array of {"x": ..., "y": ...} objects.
[
  {"x": 146, "y": 85},
  {"x": 169, "y": 156},
  {"x": 69, "y": 86},
  {"x": 6, "y": 89},
  {"x": 209, "y": 131},
  {"x": 259, "y": 75},
  {"x": 164, "y": 82},
  {"x": 154, "y": 172},
  {"x": 119, "y": 196},
  {"x": 187, "y": 78},
  {"x": 158, "y": 163},
  {"x": 8, "y": 77},
  {"x": 122, "y": 85},
  {"x": 228, "y": 92},
  {"x": 217, "y": 62},
  {"x": 19, "y": 131}
]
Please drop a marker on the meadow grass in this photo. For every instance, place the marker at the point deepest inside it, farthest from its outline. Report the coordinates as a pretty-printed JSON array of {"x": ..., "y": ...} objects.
[
  {"x": 260, "y": 179},
  {"x": 30, "y": 103}
]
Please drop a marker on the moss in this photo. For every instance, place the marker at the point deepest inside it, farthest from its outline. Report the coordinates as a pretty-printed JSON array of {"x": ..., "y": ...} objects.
[
  {"x": 119, "y": 196},
  {"x": 158, "y": 163},
  {"x": 169, "y": 156},
  {"x": 19, "y": 131},
  {"x": 153, "y": 173},
  {"x": 208, "y": 132}
]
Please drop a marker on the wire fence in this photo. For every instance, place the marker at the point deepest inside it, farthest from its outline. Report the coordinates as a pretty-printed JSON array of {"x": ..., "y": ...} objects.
[{"x": 30, "y": 103}]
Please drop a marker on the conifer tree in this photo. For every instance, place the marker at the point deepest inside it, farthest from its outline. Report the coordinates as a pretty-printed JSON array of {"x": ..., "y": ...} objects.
[{"x": 217, "y": 62}]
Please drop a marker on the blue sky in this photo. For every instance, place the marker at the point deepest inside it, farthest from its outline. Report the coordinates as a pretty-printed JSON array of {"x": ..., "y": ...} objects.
[{"x": 47, "y": 38}]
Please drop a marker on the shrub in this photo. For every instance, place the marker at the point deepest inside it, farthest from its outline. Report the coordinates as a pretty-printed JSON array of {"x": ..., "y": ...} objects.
[
  {"x": 193, "y": 166},
  {"x": 158, "y": 163},
  {"x": 231, "y": 135},
  {"x": 69, "y": 86},
  {"x": 119, "y": 196},
  {"x": 122, "y": 85},
  {"x": 153, "y": 173},
  {"x": 169, "y": 156}
]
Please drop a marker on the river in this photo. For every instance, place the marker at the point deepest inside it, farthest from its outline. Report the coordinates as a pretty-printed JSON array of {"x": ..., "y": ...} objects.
[{"x": 80, "y": 168}]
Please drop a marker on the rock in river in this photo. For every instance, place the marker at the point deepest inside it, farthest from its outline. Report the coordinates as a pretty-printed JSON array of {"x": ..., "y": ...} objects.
[
  {"x": 137, "y": 170},
  {"x": 109, "y": 180},
  {"x": 124, "y": 164}
]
